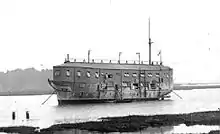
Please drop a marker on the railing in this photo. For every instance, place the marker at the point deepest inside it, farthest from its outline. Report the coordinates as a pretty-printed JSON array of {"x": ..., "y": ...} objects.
[{"x": 112, "y": 61}]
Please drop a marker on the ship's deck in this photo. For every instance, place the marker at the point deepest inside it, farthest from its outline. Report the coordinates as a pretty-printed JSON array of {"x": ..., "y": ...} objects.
[{"x": 115, "y": 66}]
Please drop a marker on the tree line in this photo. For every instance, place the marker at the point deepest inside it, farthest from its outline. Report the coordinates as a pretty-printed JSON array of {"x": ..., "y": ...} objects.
[{"x": 27, "y": 81}]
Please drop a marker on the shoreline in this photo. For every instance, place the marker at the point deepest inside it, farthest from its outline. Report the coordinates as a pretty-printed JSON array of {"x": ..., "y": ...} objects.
[
  {"x": 132, "y": 123},
  {"x": 48, "y": 92}
]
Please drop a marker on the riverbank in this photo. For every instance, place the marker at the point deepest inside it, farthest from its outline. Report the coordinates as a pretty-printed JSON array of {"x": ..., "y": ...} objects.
[{"x": 132, "y": 123}]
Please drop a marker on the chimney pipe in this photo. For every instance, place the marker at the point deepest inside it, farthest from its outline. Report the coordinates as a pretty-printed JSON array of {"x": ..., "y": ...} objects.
[
  {"x": 89, "y": 55},
  {"x": 67, "y": 57}
]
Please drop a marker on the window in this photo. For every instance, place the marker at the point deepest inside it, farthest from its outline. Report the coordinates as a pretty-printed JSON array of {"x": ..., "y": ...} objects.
[
  {"x": 67, "y": 73},
  {"x": 166, "y": 75},
  {"x": 135, "y": 86},
  {"x": 142, "y": 74},
  {"x": 81, "y": 94},
  {"x": 134, "y": 75},
  {"x": 106, "y": 76},
  {"x": 104, "y": 85},
  {"x": 157, "y": 75},
  {"x": 126, "y": 83},
  {"x": 88, "y": 74},
  {"x": 110, "y": 75},
  {"x": 126, "y": 74},
  {"x": 57, "y": 73},
  {"x": 149, "y": 74},
  {"x": 78, "y": 74},
  {"x": 153, "y": 85},
  {"x": 141, "y": 84},
  {"x": 96, "y": 74}
]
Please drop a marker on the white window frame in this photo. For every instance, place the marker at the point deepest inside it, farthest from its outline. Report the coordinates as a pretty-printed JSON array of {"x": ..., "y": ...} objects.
[
  {"x": 68, "y": 73},
  {"x": 78, "y": 74},
  {"x": 57, "y": 73}
]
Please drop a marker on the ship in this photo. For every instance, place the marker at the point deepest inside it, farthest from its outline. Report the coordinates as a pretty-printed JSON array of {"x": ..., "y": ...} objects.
[{"x": 98, "y": 81}]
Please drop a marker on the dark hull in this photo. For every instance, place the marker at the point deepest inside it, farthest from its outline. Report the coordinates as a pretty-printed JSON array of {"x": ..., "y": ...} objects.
[{"x": 64, "y": 102}]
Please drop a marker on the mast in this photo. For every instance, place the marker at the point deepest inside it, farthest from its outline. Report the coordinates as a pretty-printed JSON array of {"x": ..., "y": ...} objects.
[{"x": 149, "y": 44}]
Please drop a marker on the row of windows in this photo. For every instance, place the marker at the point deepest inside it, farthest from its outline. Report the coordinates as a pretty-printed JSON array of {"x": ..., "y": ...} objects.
[
  {"x": 88, "y": 74},
  {"x": 124, "y": 84},
  {"x": 83, "y": 94}
]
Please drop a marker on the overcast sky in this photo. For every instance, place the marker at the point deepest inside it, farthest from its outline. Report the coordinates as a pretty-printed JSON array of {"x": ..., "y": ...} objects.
[{"x": 40, "y": 33}]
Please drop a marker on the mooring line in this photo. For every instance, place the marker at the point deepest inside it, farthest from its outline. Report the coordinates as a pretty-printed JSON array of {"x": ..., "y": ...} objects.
[
  {"x": 48, "y": 98},
  {"x": 177, "y": 95}
]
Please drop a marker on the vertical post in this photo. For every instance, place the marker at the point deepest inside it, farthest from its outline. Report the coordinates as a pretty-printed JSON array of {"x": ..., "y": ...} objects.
[
  {"x": 119, "y": 57},
  {"x": 121, "y": 92},
  {"x": 160, "y": 54},
  {"x": 27, "y": 115},
  {"x": 161, "y": 58},
  {"x": 89, "y": 55},
  {"x": 144, "y": 84},
  {"x": 139, "y": 82},
  {"x": 67, "y": 59},
  {"x": 139, "y": 57},
  {"x": 149, "y": 44},
  {"x": 13, "y": 115}
]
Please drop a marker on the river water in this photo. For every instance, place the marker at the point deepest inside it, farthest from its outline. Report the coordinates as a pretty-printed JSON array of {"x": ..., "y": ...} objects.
[{"x": 50, "y": 113}]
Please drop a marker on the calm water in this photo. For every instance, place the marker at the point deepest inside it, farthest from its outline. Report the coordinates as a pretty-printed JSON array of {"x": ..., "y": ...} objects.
[{"x": 50, "y": 113}]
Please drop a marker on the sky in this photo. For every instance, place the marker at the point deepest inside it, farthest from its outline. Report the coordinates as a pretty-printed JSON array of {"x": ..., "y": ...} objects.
[{"x": 40, "y": 33}]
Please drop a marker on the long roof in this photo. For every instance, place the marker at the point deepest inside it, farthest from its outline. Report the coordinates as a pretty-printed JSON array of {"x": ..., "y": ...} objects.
[{"x": 114, "y": 66}]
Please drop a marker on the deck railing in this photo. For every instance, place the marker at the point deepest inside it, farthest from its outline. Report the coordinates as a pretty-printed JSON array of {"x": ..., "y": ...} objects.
[{"x": 107, "y": 61}]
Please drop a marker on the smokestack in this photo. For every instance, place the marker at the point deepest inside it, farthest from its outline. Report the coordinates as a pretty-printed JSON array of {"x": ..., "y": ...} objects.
[
  {"x": 67, "y": 58},
  {"x": 89, "y": 55}
]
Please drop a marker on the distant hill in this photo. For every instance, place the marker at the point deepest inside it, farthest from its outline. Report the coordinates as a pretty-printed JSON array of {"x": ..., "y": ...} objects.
[{"x": 27, "y": 81}]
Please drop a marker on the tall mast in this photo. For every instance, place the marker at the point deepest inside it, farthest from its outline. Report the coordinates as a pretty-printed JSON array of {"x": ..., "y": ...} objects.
[{"x": 149, "y": 44}]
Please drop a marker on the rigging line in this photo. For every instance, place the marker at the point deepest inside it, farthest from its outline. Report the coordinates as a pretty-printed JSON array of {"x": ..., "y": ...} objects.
[
  {"x": 177, "y": 95},
  {"x": 48, "y": 98},
  {"x": 50, "y": 94}
]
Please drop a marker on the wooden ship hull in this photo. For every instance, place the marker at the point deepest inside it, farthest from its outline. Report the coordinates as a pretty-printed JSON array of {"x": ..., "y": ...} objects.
[
  {"x": 88, "y": 82},
  {"x": 82, "y": 82}
]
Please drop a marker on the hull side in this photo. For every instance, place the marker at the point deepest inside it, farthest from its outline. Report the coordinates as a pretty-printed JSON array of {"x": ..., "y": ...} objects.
[
  {"x": 68, "y": 98},
  {"x": 89, "y": 101}
]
